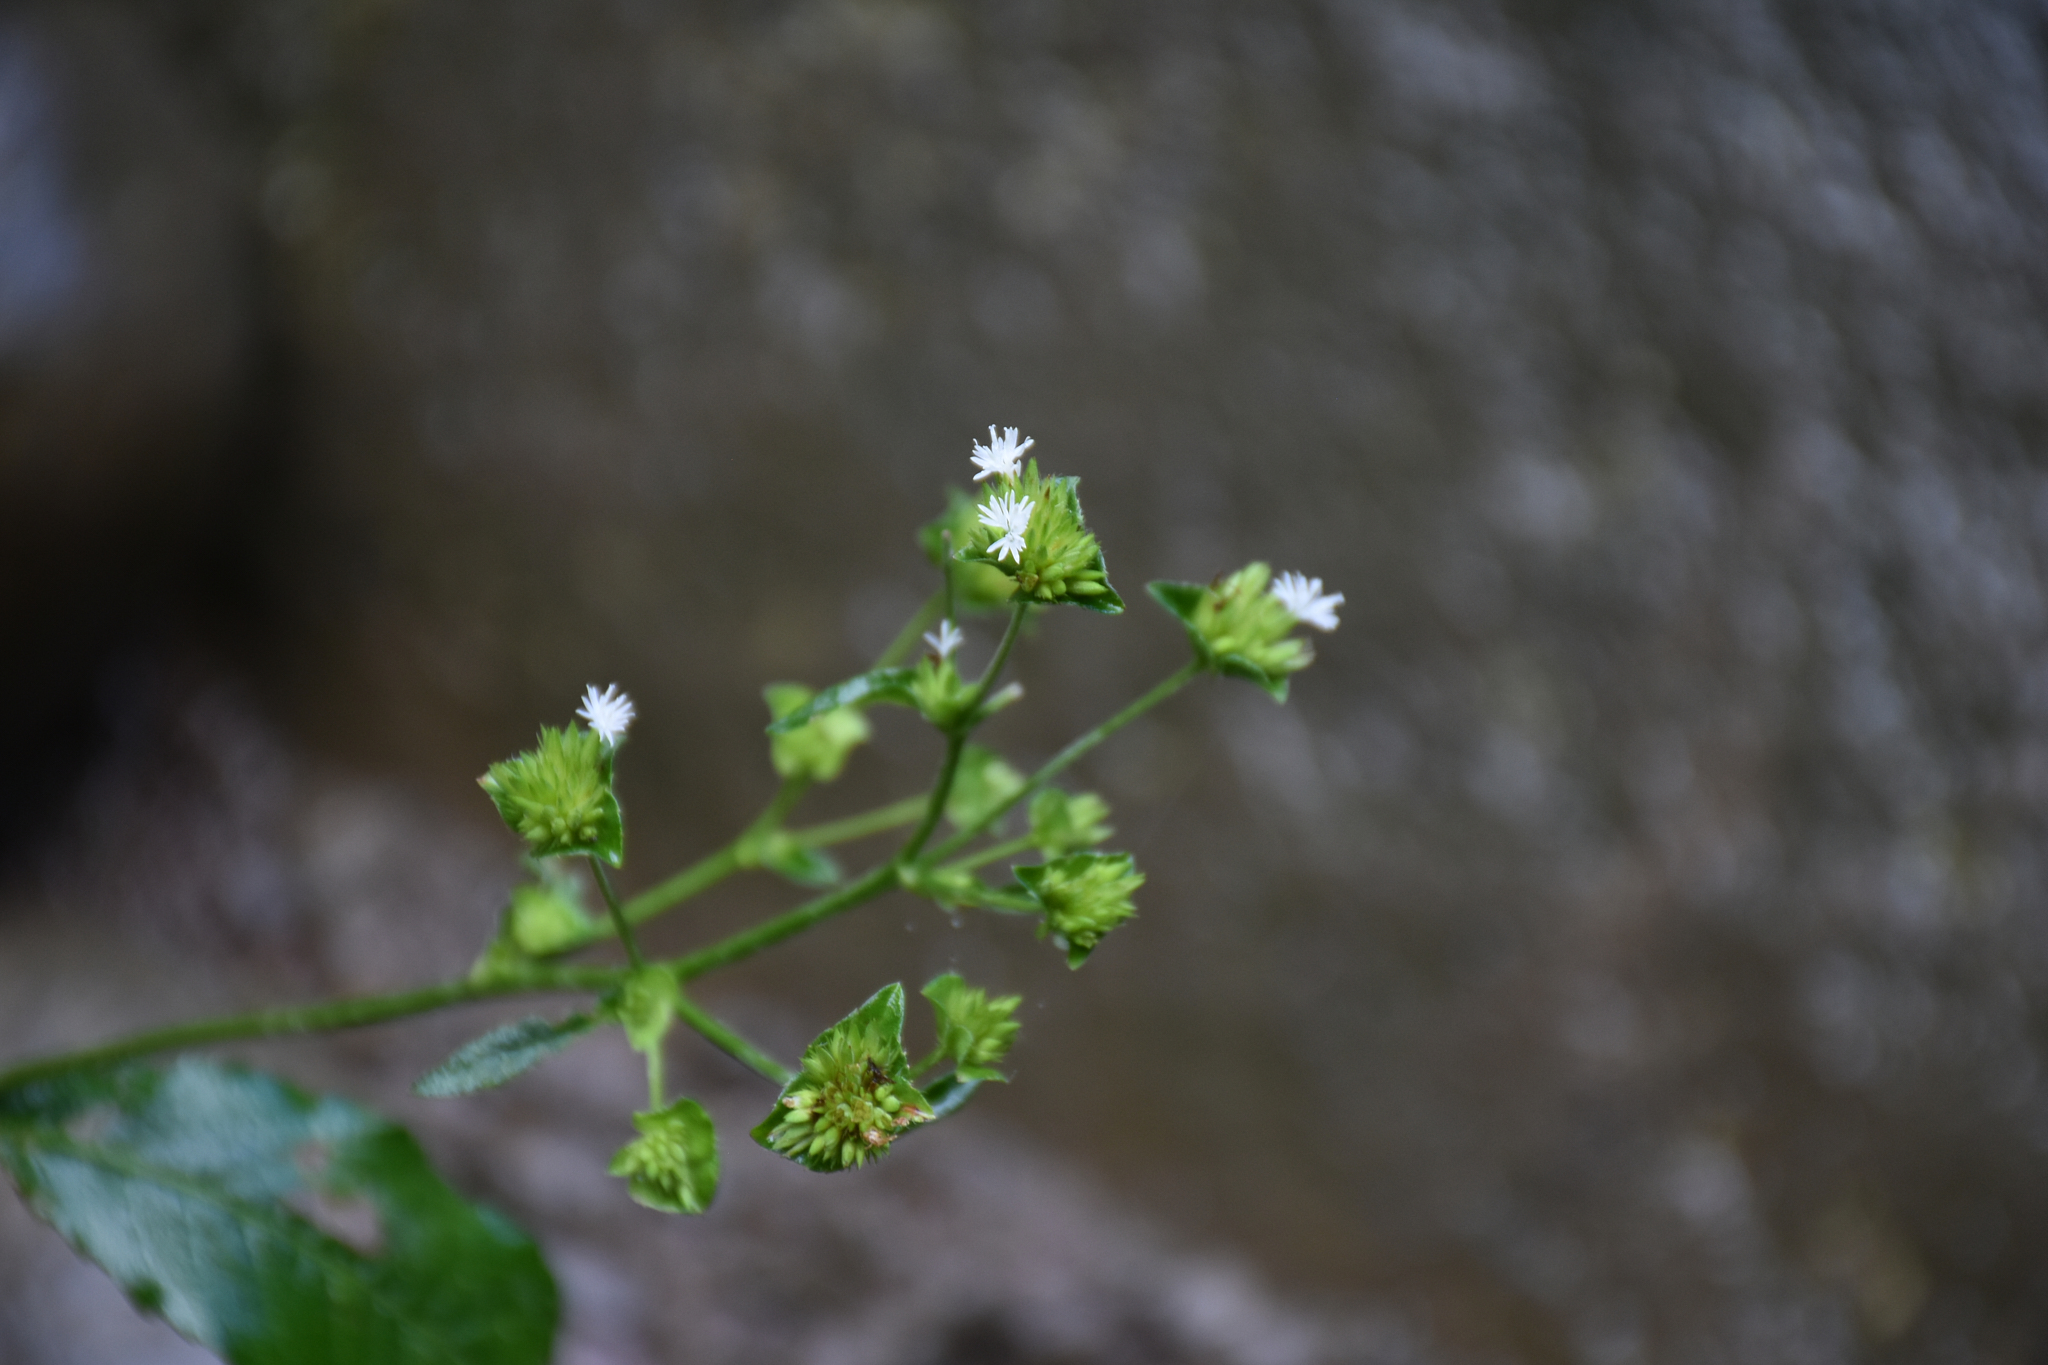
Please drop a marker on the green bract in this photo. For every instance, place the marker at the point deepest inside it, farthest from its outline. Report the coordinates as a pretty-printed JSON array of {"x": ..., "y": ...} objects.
[
  {"x": 646, "y": 1006},
  {"x": 818, "y": 747},
  {"x": 673, "y": 1165},
  {"x": 1238, "y": 628},
  {"x": 982, "y": 783},
  {"x": 941, "y": 693},
  {"x": 1067, "y": 824},
  {"x": 1061, "y": 560},
  {"x": 853, "y": 1095},
  {"x": 976, "y": 587},
  {"x": 547, "y": 917},
  {"x": 1085, "y": 895},
  {"x": 558, "y": 796},
  {"x": 975, "y": 1032}
]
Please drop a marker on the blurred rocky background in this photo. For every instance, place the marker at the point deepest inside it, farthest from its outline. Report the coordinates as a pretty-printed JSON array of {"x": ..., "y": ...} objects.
[{"x": 1628, "y": 945}]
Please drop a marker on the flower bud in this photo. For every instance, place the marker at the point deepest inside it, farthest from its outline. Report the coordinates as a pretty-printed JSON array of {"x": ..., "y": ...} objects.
[
  {"x": 860, "y": 1096},
  {"x": 1084, "y": 895},
  {"x": 558, "y": 796},
  {"x": 1239, "y": 628},
  {"x": 673, "y": 1165}
]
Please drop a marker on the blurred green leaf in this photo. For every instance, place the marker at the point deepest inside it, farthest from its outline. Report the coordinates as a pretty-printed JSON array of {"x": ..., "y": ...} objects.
[
  {"x": 980, "y": 784},
  {"x": 881, "y": 685},
  {"x": 818, "y": 746},
  {"x": 975, "y": 1032},
  {"x": 273, "y": 1227},
  {"x": 500, "y": 1055},
  {"x": 673, "y": 1165}
]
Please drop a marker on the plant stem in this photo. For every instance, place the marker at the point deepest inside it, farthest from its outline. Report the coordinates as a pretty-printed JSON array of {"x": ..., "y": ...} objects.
[
  {"x": 618, "y": 913},
  {"x": 699, "y": 876},
  {"x": 725, "y": 1039},
  {"x": 859, "y": 826},
  {"x": 1059, "y": 762},
  {"x": 992, "y": 852},
  {"x": 334, "y": 1014},
  {"x": 747, "y": 942},
  {"x": 956, "y": 736}
]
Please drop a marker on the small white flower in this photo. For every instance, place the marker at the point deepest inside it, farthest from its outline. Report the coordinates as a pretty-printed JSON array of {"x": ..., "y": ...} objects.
[
  {"x": 1001, "y": 454},
  {"x": 609, "y": 712},
  {"x": 1010, "y": 514},
  {"x": 945, "y": 641},
  {"x": 1304, "y": 597}
]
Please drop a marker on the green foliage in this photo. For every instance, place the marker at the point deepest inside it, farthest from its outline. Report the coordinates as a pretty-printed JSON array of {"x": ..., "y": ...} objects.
[
  {"x": 818, "y": 745},
  {"x": 982, "y": 783},
  {"x": 548, "y": 916},
  {"x": 645, "y": 1007},
  {"x": 891, "y": 685},
  {"x": 975, "y": 1032},
  {"x": 852, "y": 1096},
  {"x": 1062, "y": 561},
  {"x": 1062, "y": 824},
  {"x": 1238, "y": 628},
  {"x": 787, "y": 856},
  {"x": 500, "y": 1055},
  {"x": 673, "y": 1165},
  {"x": 273, "y": 1227},
  {"x": 558, "y": 796},
  {"x": 1084, "y": 895}
]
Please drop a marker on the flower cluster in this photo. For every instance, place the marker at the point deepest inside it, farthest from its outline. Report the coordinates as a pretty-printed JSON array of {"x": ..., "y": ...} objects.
[
  {"x": 1241, "y": 628},
  {"x": 558, "y": 795},
  {"x": 975, "y": 1032},
  {"x": 673, "y": 1165},
  {"x": 852, "y": 1097},
  {"x": 1063, "y": 824},
  {"x": 819, "y": 748},
  {"x": 1084, "y": 896},
  {"x": 609, "y": 712}
]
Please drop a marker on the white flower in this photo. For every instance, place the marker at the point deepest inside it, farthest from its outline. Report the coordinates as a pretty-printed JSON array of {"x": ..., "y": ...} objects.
[
  {"x": 609, "y": 712},
  {"x": 1001, "y": 454},
  {"x": 1010, "y": 514},
  {"x": 1303, "y": 597},
  {"x": 945, "y": 641}
]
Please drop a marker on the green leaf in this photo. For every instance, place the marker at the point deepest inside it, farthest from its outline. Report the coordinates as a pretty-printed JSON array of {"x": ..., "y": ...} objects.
[
  {"x": 500, "y": 1055},
  {"x": 852, "y": 1096},
  {"x": 975, "y": 1032},
  {"x": 799, "y": 862},
  {"x": 673, "y": 1165},
  {"x": 891, "y": 685},
  {"x": 981, "y": 783},
  {"x": 273, "y": 1227},
  {"x": 818, "y": 747},
  {"x": 645, "y": 1006}
]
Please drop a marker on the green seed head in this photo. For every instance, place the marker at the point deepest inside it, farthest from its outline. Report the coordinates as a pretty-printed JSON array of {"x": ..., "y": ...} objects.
[
  {"x": 1061, "y": 561},
  {"x": 854, "y": 1096},
  {"x": 1085, "y": 895},
  {"x": 673, "y": 1165},
  {"x": 558, "y": 796}
]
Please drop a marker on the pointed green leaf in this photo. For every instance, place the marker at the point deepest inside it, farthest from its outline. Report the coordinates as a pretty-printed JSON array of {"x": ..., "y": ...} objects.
[
  {"x": 852, "y": 1096},
  {"x": 891, "y": 685},
  {"x": 500, "y": 1055},
  {"x": 274, "y": 1227},
  {"x": 816, "y": 748}
]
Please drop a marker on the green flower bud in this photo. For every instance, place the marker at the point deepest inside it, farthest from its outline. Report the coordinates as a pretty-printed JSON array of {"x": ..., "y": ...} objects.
[
  {"x": 974, "y": 1031},
  {"x": 673, "y": 1165},
  {"x": 939, "y": 690},
  {"x": 1034, "y": 532},
  {"x": 558, "y": 796},
  {"x": 1239, "y": 628},
  {"x": 1062, "y": 824},
  {"x": 819, "y": 748},
  {"x": 645, "y": 1007},
  {"x": 547, "y": 917},
  {"x": 843, "y": 1114},
  {"x": 1084, "y": 895}
]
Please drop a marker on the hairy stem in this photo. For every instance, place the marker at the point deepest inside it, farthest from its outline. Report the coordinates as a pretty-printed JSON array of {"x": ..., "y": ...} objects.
[
  {"x": 322, "y": 1018},
  {"x": 723, "y": 1037},
  {"x": 618, "y": 914}
]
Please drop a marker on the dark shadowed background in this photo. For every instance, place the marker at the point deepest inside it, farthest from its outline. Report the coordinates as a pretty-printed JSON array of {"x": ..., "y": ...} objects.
[{"x": 1627, "y": 945}]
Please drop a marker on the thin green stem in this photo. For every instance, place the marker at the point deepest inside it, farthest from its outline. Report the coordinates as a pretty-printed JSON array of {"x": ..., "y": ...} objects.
[
  {"x": 698, "y": 877},
  {"x": 657, "y": 1087},
  {"x": 747, "y": 942},
  {"x": 618, "y": 914},
  {"x": 876, "y": 821},
  {"x": 956, "y": 736},
  {"x": 727, "y": 1040},
  {"x": 1059, "y": 762},
  {"x": 992, "y": 852},
  {"x": 321, "y": 1018}
]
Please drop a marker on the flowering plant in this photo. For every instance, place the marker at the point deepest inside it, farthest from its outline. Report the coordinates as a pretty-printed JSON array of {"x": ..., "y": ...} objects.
[{"x": 191, "y": 1184}]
